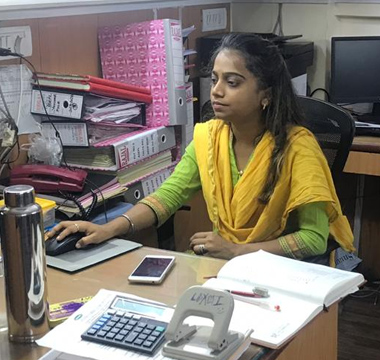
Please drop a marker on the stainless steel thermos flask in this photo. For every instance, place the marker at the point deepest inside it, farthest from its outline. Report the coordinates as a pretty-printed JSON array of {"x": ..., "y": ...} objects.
[{"x": 23, "y": 247}]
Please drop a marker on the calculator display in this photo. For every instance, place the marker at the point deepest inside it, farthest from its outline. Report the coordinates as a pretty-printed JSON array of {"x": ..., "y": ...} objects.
[{"x": 137, "y": 307}]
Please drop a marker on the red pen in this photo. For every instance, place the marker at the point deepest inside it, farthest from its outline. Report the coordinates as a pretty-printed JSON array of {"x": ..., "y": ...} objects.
[
  {"x": 244, "y": 293},
  {"x": 264, "y": 305}
]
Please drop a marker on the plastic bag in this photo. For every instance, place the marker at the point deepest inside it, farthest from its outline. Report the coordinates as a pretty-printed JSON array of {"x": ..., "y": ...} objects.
[{"x": 44, "y": 150}]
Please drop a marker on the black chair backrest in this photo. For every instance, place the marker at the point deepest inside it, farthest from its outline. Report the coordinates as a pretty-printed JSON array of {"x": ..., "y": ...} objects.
[
  {"x": 207, "y": 113},
  {"x": 333, "y": 127}
]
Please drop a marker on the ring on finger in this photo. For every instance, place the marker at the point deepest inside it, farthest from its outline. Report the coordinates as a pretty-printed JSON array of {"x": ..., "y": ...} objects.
[
  {"x": 77, "y": 226},
  {"x": 202, "y": 249}
]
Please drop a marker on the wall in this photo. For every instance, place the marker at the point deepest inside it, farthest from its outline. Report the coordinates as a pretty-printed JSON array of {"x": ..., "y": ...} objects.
[
  {"x": 316, "y": 22},
  {"x": 68, "y": 44}
]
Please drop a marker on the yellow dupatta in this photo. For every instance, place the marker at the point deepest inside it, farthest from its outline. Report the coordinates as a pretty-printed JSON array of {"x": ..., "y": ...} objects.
[{"x": 236, "y": 212}]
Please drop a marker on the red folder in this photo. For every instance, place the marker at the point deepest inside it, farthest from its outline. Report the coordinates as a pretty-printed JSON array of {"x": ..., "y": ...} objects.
[
  {"x": 85, "y": 79},
  {"x": 100, "y": 87}
]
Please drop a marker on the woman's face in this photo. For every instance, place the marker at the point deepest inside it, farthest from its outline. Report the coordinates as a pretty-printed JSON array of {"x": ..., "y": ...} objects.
[{"x": 235, "y": 95}]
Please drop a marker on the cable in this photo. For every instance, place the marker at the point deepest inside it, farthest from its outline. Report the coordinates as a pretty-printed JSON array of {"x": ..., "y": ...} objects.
[
  {"x": 11, "y": 148},
  {"x": 7, "y": 113},
  {"x": 12, "y": 126},
  {"x": 102, "y": 196},
  {"x": 7, "y": 52},
  {"x": 92, "y": 206},
  {"x": 321, "y": 89},
  {"x": 69, "y": 196},
  {"x": 278, "y": 23}
]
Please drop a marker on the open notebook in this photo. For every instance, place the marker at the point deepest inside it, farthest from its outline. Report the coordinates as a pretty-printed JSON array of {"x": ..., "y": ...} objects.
[{"x": 298, "y": 291}]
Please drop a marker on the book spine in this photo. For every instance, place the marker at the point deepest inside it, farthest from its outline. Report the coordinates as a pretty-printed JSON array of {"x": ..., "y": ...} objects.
[
  {"x": 73, "y": 133},
  {"x": 100, "y": 89},
  {"x": 175, "y": 72},
  {"x": 143, "y": 145},
  {"x": 60, "y": 104},
  {"x": 145, "y": 186}
]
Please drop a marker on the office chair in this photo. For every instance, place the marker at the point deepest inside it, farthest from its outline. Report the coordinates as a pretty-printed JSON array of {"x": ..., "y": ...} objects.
[
  {"x": 333, "y": 127},
  {"x": 207, "y": 112}
]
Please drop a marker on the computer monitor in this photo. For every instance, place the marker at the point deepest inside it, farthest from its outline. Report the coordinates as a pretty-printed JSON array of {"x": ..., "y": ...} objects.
[{"x": 355, "y": 72}]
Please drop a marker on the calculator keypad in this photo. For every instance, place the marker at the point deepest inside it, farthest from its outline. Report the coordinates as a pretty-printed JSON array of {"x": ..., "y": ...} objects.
[{"x": 127, "y": 331}]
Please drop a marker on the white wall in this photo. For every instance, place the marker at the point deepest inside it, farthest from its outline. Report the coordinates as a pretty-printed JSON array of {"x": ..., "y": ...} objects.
[{"x": 316, "y": 22}]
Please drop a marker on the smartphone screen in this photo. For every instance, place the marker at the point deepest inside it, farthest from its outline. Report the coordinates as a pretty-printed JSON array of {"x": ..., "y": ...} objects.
[{"x": 152, "y": 269}]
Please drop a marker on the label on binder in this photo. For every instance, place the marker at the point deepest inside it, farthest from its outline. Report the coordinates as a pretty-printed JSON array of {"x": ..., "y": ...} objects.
[
  {"x": 57, "y": 104},
  {"x": 152, "y": 183},
  {"x": 138, "y": 148}
]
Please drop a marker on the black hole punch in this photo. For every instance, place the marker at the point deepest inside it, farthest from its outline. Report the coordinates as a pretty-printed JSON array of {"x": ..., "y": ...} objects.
[
  {"x": 180, "y": 101},
  {"x": 65, "y": 104},
  {"x": 163, "y": 138}
]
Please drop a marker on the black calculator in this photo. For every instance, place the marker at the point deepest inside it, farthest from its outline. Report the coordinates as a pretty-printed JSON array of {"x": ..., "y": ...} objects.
[{"x": 128, "y": 331}]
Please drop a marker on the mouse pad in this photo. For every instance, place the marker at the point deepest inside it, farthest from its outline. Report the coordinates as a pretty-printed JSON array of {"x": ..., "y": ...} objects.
[{"x": 76, "y": 260}]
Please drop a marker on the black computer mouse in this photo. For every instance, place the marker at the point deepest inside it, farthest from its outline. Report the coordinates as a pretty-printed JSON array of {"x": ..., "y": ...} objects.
[{"x": 54, "y": 247}]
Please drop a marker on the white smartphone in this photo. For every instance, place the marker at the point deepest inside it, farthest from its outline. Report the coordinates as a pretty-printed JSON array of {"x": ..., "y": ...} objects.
[{"x": 152, "y": 269}]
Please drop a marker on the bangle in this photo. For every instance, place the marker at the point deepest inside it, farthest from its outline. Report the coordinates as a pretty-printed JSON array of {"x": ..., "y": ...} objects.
[{"x": 132, "y": 227}]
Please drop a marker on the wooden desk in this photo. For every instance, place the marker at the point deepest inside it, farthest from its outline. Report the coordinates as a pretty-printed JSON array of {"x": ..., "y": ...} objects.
[
  {"x": 317, "y": 341},
  {"x": 364, "y": 162},
  {"x": 364, "y": 157}
]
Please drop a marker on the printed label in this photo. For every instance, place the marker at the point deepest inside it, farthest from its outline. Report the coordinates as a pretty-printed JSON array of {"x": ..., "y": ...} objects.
[
  {"x": 57, "y": 104},
  {"x": 138, "y": 148}
]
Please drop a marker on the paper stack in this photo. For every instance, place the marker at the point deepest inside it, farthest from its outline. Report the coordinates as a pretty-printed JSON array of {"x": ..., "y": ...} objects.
[{"x": 102, "y": 126}]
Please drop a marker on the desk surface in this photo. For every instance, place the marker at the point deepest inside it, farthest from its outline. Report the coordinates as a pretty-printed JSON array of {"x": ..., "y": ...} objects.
[
  {"x": 364, "y": 157},
  {"x": 366, "y": 144},
  {"x": 320, "y": 335}
]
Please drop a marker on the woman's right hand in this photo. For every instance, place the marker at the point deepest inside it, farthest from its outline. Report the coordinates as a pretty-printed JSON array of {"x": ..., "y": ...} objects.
[{"x": 94, "y": 234}]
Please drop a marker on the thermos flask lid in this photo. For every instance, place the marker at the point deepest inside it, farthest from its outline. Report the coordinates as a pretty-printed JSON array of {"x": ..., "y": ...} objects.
[{"x": 19, "y": 195}]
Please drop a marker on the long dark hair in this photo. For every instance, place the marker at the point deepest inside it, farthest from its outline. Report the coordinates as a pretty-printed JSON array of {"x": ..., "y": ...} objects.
[{"x": 264, "y": 61}]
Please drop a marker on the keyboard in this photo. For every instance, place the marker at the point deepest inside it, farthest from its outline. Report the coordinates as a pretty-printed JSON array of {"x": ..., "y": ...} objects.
[
  {"x": 367, "y": 131},
  {"x": 127, "y": 331}
]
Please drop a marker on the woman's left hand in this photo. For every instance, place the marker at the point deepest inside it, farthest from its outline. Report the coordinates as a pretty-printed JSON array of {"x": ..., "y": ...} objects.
[{"x": 213, "y": 245}]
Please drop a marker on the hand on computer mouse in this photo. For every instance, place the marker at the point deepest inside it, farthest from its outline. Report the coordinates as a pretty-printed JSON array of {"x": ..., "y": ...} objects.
[
  {"x": 54, "y": 247},
  {"x": 93, "y": 234}
]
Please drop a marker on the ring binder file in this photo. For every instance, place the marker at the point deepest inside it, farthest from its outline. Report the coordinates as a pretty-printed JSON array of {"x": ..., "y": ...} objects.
[{"x": 152, "y": 56}]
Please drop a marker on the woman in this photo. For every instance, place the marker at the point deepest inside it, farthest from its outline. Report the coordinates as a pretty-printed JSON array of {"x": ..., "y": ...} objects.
[{"x": 264, "y": 178}]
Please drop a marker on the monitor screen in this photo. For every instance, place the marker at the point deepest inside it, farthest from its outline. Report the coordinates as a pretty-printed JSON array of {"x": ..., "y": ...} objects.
[{"x": 355, "y": 69}]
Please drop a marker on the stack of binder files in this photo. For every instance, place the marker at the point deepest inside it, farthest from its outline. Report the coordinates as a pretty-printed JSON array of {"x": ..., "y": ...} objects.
[
  {"x": 142, "y": 168},
  {"x": 122, "y": 151},
  {"x": 82, "y": 106},
  {"x": 94, "y": 108},
  {"x": 96, "y": 118},
  {"x": 84, "y": 134},
  {"x": 140, "y": 160}
]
